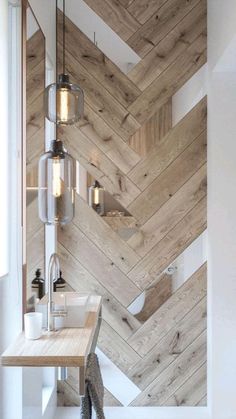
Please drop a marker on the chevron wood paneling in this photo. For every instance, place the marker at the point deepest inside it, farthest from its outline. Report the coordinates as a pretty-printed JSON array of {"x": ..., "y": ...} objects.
[
  {"x": 158, "y": 173},
  {"x": 35, "y": 75},
  {"x": 35, "y": 71}
]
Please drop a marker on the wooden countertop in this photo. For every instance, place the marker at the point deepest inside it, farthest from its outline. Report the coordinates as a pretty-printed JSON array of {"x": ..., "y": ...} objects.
[{"x": 66, "y": 347}]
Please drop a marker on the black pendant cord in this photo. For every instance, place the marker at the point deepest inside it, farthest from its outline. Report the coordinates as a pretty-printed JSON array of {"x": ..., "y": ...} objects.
[
  {"x": 64, "y": 36},
  {"x": 56, "y": 57}
]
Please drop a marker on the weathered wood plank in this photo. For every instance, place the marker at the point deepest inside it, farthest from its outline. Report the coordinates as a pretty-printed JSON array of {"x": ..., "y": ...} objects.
[
  {"x": 174, "y": 143},
  {"x": 31, "y": 180},
  {"x": 126, "y": 3},
  {"x": 34, "y": 116},
  {"x": 97, "y": 64},
  {"x": 192, "y": 391},
  {"x": 99, "y": 165},
  {"x": 159, "y": 25},
  {"x": 116, "y": 16},
  {"x": 35, "y": 51},
  {"x": 173, "y": 44},
  {"x": 177, "y": 207},
  {"x": 170, "y": 313},
  {"x": 35, "y": 249},
  {"x": 170, "y": 346},
  {"x": 167, "y": 84},
  {"x": 170, "y": 247},
  {"x": 34, "y": 149},
  {"x": 33, "y": 223},
  {"x": 175, "y": 375},
  {"x": 81, "y": 280},
  {"x": 68, "y": 391},
  {"x": 170, "y": 180},
  {"x": 119, "y": 224},
  {"x": 155, "y": 296},
  {"x": 116, "y": 349},
  {"x": 151, "y": 133},
  {"x": 142, "y": 10},
  {"x": 108, "y": 141},
  {"x": 96, "y": 262},
  {"x": 100, "y": 100},
  {"x": 35, "y": 83},
  {"x": 97, "y": 230}
]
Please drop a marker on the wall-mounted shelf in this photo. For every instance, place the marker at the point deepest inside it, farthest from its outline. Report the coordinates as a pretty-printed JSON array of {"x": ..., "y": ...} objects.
[
  {"x": 66, "y": 347},
  {"x": 125, "y": 226}
]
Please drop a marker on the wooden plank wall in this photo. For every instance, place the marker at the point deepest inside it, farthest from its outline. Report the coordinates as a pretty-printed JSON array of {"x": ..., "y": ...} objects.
[
  {"x": 156, "y": 171},
  {"x": 35, "y": 134}
]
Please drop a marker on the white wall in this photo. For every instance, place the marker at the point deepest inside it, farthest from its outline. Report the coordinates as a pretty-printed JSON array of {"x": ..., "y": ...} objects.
[
  {"x": 10, "y": 285},
  {"x": 222, "y": 208}
]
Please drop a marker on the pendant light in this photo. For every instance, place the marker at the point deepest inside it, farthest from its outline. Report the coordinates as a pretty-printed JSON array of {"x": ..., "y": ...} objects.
[
  {"x": 56, "y": 185},
  {"x": 96, "y": 198},
  {"x": 64, "y": 101}
]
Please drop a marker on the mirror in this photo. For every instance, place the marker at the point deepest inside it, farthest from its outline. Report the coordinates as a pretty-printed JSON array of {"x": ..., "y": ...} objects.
[{"x": 35, "y": 141}]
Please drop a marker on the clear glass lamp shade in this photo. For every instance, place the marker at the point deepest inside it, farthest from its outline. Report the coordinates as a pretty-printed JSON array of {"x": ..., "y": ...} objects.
[
  {"x": 56, "y": 186},
  {"x": 64, "y": 102}
]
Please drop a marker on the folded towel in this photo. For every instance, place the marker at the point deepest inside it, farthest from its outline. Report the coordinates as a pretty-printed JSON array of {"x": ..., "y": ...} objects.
[{"x": 94, "y": 390}]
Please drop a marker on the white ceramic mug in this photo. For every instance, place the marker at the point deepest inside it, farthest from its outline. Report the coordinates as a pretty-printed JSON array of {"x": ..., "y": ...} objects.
[{"x": 33, "y": 325}]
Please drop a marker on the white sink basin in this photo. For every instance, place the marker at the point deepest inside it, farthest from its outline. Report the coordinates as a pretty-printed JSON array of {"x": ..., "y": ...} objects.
[{"x": 76, "y": 305}]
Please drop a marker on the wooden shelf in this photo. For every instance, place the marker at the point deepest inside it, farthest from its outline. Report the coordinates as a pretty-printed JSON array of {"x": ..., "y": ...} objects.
[{"x": 66, "y": 347}]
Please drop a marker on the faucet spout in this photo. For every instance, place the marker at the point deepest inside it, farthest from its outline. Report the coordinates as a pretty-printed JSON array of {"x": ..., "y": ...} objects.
[{"x": 53, "y": 274}]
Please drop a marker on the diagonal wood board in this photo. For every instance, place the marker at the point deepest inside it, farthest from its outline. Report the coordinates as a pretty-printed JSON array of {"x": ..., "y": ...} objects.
[{"x": 158, "y": 172}]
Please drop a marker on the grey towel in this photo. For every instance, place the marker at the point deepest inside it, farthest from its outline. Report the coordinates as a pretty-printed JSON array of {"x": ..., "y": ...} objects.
[{"x": 94, "y": 390}]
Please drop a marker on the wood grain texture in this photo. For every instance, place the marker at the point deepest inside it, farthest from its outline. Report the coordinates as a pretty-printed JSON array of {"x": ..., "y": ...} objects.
[
  {"x": 97, "y": 64},
  {"x": 170, "y": 313},
  {"x": 35, "y": 51},
  {"x": 171, "y": 345},
  {"x": 100, "y": 100},
  {"x": 142, "y": 10},
  {"x": 67, "y": 347},
  {"x": 175, "y": 142},
  {"x": 172, "y": 212},
  {"x": 175, "y": 375},
  {"x": 68, "y": 392},
  {"x": 159, "y": 25},
  {"x": 99, "y": 165},
  {"x": 72, "y": 238},
  {"x": 80, "y": 280},
  {"x": 152, "y": 132},
  {"x": 102, "y": 135},
  {"x": 170, "y": 247},
  {"x": 170, "y": 47},
  {"x": 155, "y": 296},
  {"x": 121, "y": 353},
  {"x": 160, "y": 90},
  {"x": 116, "y": 16},
  {"x": 170, "y": 180},
  {"x": 158, "y": 174},
  {"x": 192, "y": 391},
  {"x": 103, "y": 236}
]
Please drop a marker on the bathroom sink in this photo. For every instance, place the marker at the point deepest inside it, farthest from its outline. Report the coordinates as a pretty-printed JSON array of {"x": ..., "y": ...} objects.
[{"x": 76, "y": 305}]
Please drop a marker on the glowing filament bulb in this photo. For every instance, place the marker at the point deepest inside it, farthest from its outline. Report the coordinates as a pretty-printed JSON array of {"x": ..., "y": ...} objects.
[
  {"x": 56, "y": 179},
  {"x": 63, "y": 104},
  {"x": 96, "y": 196}
]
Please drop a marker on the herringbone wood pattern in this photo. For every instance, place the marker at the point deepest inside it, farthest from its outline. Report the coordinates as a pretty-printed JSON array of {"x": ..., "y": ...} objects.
[{"x": 162, "y": 183}]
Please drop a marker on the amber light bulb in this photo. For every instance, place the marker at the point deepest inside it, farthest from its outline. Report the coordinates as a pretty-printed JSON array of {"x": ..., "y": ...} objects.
[{"x": 56, "y": 185}]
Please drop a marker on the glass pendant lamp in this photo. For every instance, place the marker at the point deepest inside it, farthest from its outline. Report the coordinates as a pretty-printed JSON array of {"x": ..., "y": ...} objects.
[
  {"x": 96, "y": 198},
  {"x": 64, "y": 101},
  {"x": 56, "y": 185}
]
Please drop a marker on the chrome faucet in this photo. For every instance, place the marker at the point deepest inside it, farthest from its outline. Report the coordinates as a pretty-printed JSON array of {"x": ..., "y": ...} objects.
[{"x": 53, "y": 272}]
